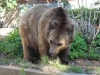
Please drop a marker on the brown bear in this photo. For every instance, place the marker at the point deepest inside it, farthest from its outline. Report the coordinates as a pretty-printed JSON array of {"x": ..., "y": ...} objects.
[{"x": 46, "y": 31}]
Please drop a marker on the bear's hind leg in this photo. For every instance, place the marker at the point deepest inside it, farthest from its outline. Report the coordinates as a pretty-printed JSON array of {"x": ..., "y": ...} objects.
[{"x": 29, "y": 52}]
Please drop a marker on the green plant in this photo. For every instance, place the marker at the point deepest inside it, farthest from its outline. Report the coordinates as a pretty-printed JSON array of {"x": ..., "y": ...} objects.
[
  {"x": 23, "y": 8},
  {"x": 65, "y": 2},
  {"x": 66, "y": 68},
  {"x": 75, "y": 69},
  {"x": 81, "y": 49},
  {"x": 87, "y": 20},
  {"x": 94, "y": 52},
  {"x": 78, "y": 47},
  {"x": 86, "y": 45},
  {"x": 12, "y": 45},
  {"x": 7, "y": 4},
  {"x": 59, "y": 66},
  {"x": 89, "y": 70},
  {"x": 98, "y": 70},
  {"x": 44, "y": 60},
  {"x": 17, "y": 62},
  {"x": 23, "y": 71},
  {"x": 85, "y": 14},
  {"x": 96, "y": 41},
  {"x": 4, "y": 61},
  {"x": 26, "y": 64}
]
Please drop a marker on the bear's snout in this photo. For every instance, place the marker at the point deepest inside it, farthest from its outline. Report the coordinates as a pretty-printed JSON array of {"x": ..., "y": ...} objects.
[{"x": 52, "y": 53}]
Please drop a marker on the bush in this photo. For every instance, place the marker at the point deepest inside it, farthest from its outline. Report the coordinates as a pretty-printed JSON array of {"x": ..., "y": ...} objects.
[
  {"x": 85, "y": 14},
  {"x": 81, "y": 50},
  {"x": 12, "y": 45},
  {"x": 96, "y": 41},
  {"x": 94, "y": 52},
  {"x": 86, "y": 45},
  {"x": 7, "y": 4},
  {"x": 78, "y": 47}
]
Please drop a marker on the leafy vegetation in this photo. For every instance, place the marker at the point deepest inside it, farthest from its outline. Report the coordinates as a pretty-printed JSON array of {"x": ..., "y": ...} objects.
[
  {"x": 7, "y": 4},
  {"x": 12, "y": 45},
  {"x": 23, "y": 72},
  {"x": 81, "y": 49},
  {"x": 94, "y": 52},
  {"x": 78, "y": 47},
  {"x": 17, "y": 62},
  {"x": 44, "y": 60},
  {"x": 86, "y": 44},
  {"x": 85, "y": 14}
]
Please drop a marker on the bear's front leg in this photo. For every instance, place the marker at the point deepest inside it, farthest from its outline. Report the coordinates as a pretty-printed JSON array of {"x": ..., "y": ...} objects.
[
  {"x": 43, "y": 49},
  {"x": 63, "y": 55}
]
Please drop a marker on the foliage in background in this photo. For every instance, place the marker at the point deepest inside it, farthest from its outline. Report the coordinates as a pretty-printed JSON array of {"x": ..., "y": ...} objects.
[
  {"x": 65, "y": 2},
  {"x": 94, "y": 52},
  {"x": 75, "y": 13},
  {"x": 7, "y": 4},
  {"x": 12, "y": 45},
  {"x": 86, "y": 45},
  {"x": 80, "y": 49},
  {"x": 23, "y": 8}
]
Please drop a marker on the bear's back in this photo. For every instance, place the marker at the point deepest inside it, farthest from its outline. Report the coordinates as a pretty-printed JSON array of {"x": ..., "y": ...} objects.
[
  {"x": 33, "y": 14},
  {"x": 29, "y": 24}
]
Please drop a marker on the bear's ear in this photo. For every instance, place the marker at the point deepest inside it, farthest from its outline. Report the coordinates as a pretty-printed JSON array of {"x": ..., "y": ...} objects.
[{"x": 52, "y": 24}]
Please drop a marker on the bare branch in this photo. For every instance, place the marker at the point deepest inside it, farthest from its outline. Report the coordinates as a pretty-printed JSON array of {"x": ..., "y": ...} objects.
[{"x": 97, "y": 30}]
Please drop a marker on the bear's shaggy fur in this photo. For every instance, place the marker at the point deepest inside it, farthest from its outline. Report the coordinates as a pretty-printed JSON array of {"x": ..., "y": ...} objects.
[{"x": 46, "y": 31}]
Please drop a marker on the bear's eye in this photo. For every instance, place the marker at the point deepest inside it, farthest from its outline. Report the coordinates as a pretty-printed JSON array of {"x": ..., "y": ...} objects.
[
  {"x": 51, "y": 41},
  {"x": 59, "y": 44}
]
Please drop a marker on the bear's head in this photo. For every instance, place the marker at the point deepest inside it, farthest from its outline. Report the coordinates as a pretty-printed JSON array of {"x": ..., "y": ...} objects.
[
  {"x": 57, "y": 42},
  {"x": 60, "y": 31},
  {"x": 59, "y": 37}
]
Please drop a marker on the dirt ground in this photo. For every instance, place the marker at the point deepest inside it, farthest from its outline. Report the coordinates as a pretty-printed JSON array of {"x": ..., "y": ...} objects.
[
  {"x": 84, "y": 63},
  {"x": 90, "y": 66}
]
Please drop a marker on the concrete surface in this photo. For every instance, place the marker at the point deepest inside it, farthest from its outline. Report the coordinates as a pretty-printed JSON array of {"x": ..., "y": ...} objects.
[
  {"x": 10, "y": 70},
  {"x": 5, "y": 31}
]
